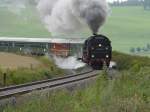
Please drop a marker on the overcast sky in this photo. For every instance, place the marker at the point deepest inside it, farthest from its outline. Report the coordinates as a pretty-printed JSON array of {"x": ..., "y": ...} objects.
[{"x": 115, "y": 0}]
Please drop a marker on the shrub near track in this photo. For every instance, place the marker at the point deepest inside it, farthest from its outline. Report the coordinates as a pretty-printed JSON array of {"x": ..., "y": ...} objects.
[{"x": 125, "y": 61}]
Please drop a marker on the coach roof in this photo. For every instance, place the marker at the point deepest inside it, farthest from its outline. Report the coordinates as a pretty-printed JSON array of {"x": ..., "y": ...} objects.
[{"x": 42, "y": 40}]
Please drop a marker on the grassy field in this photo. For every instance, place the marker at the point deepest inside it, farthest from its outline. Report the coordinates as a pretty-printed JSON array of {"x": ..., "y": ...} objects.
[
  {"x": 26, "y": 23},
  {"x": 13, "y": 61},
  {"x": 127, "y": 27},
  {"x": 24, "y": 69},
  {"x": 128, "y": 91}
]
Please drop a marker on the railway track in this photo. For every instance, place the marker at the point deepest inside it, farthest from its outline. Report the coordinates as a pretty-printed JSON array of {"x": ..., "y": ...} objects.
[{"x": 39, "y": 85}]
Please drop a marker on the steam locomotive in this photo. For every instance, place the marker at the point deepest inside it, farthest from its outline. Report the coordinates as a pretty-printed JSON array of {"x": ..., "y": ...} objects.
[{"x": 97, "y": 51}]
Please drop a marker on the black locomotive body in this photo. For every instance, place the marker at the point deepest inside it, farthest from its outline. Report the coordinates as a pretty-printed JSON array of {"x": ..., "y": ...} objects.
[{"x": 97, "y": 51}]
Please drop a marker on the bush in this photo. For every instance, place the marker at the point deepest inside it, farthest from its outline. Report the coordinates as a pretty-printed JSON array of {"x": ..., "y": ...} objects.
[{"x": 126, "y": 62}]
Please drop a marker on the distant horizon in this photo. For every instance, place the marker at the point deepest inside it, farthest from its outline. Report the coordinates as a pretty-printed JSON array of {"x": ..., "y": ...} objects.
[{"x": 110, "y": 1}]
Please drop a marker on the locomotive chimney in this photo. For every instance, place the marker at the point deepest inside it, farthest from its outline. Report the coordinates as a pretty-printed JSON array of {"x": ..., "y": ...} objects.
[{"x": 94, "y": 34}]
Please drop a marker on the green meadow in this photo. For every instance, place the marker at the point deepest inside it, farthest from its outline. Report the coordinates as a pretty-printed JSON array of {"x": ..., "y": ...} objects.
[{"x": 127, "y": 27}]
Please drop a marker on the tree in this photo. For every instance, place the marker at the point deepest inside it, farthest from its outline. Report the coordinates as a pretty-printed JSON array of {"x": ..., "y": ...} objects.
[
  {"x": 132, "y": 50},
  {"x": 148, "y": 46},
  {"x": 138, "y": 49}
]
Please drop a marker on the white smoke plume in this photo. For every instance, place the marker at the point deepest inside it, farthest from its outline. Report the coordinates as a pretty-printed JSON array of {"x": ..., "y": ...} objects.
[
  {"x": 69, "y": 16},
  {"x": 68, "y": 63}
]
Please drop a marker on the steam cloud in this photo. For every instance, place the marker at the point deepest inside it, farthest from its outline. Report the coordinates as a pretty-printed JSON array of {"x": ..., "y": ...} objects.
[
  {"x": 68, "y": 63},
  {"x": 68, "y": 16}
]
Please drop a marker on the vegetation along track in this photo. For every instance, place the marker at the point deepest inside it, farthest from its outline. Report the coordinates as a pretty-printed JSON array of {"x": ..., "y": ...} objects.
[{"x": 51, "y": 83}]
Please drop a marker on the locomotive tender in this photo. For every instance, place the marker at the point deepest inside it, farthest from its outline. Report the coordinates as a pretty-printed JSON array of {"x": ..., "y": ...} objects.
[{"x": 97, "y": 51}]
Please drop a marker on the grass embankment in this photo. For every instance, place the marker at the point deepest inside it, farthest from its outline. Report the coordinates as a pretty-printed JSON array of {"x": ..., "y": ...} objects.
[
  {"x": 21, "y": 75},
  {"x": 129, "y": 91}
]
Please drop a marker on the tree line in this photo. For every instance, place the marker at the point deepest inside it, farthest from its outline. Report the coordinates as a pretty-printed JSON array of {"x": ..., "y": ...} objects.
[
  {"x": 144, "y": 3},
  {"x": 140, "y": 49}
]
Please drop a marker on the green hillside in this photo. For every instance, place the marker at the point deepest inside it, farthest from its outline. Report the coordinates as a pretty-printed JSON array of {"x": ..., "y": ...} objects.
[{"x": 128, "y": 27}]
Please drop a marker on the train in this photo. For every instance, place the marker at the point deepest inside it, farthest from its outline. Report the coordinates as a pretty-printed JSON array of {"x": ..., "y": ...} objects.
[
  {"x": 97, "y": 51},
  {"x": 60, "y": 49}
]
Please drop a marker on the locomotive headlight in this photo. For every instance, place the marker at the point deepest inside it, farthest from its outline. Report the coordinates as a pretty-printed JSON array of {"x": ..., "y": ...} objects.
[
  {"x": 106, "y": 48},
  {"x": 107, "y": 56},
  {"x": 92, "y": 56},
  {"x": 100, "y": 45},
  {"x": 92, "y": 48}
]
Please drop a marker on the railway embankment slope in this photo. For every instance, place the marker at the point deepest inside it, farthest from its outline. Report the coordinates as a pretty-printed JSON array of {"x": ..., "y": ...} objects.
[{"x": 128, "y": 91}]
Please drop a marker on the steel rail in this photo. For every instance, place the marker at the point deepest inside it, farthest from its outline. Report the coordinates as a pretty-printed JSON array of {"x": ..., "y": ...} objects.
[
  {"x": 40, "y": 82},
  {"x": 39, "y": 85}
]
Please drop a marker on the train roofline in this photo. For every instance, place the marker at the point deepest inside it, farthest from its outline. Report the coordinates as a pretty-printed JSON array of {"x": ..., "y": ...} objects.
[{"x": 43, "y": 40}]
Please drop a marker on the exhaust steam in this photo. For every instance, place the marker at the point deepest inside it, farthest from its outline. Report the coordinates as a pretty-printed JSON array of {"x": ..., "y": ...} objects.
[
  {"x": 68, "y": 16},
  {"x": 68, "y": 63}
]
